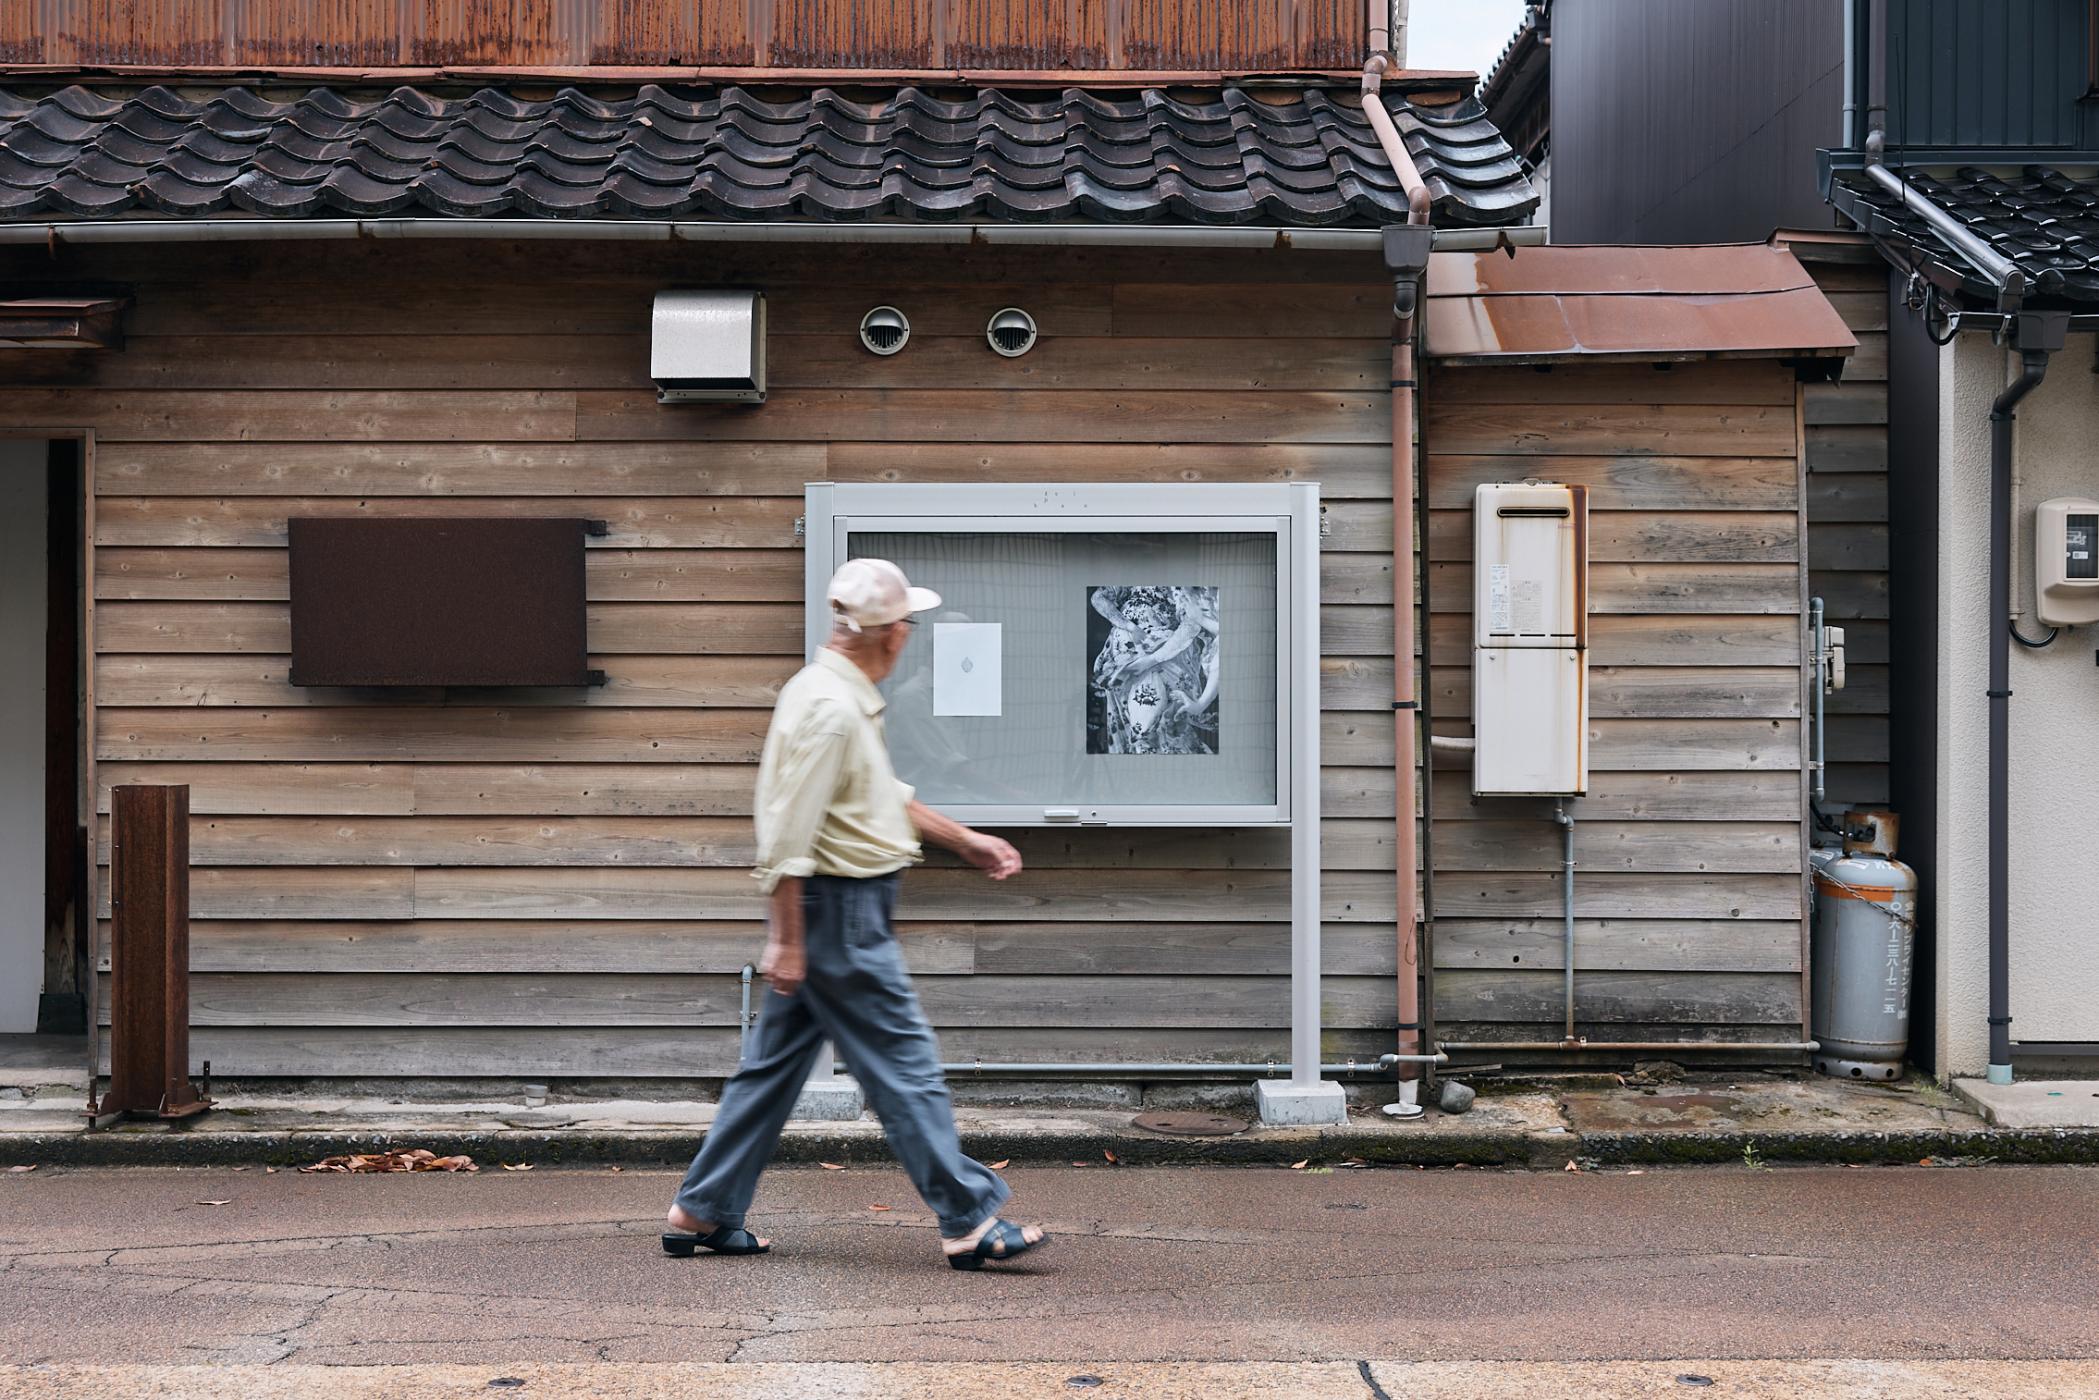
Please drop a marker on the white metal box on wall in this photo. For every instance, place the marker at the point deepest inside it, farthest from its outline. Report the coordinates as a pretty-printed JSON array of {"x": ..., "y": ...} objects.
[{"x": 1530, "y": 622}]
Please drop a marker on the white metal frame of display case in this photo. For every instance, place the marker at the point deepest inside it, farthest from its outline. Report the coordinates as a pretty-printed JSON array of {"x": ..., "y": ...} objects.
[{"x": 1289, "y": 511}]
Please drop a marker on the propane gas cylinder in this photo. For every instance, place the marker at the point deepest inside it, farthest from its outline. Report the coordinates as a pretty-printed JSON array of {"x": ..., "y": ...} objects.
[{"x": 1864, "y": 933}]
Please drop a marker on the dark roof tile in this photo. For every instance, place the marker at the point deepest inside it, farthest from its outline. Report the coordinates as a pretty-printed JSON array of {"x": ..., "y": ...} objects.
[
  {"x": 1229, "y": 157},
  {"x": 2039, "y": 218}
]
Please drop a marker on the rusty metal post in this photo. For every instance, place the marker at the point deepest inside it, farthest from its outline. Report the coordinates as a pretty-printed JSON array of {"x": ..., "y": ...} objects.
[{"x": 149, "y": 954}]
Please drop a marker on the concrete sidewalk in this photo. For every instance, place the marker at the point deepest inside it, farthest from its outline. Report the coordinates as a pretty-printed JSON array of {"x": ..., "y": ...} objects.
[{"x": 1547, "y": 1124}]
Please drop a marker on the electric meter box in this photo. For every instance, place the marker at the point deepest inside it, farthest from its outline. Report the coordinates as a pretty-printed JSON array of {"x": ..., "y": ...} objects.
[
  {"x": 2066, "y": 561},
  {"x": 1530, "y": 640}
]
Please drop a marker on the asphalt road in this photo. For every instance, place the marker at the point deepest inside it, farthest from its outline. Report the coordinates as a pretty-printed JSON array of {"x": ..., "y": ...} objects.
[{"x": 1146, "y": 1265}]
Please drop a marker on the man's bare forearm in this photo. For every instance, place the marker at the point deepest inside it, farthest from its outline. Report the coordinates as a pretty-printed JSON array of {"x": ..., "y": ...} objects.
[
  {"x": 991, "y": 854},
  {"x": 785, "y": 964},
  {"x": 942, "y": 831},
  {"x": 786, "y": 911}
]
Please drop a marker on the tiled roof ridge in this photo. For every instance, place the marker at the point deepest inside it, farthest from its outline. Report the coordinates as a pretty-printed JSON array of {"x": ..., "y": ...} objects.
[
  {"x": 727, "y": 151},
  {"x": 2046, "y": 222}
]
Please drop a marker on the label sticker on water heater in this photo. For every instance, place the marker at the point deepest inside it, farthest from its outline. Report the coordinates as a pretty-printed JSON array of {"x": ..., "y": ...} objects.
[{"x": 1498, "y": 610}]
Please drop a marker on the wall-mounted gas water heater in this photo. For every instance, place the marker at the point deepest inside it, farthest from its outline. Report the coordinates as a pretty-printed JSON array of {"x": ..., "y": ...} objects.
[{"x": 1530, "y": 640}]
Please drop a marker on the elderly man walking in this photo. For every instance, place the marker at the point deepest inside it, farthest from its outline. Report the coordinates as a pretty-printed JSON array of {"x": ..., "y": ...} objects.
[{"x": 835, "y": 829}]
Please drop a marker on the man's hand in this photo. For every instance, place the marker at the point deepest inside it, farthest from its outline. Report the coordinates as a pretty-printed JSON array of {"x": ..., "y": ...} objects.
[
  {"x": 988, "y": 853},
  {"x": 784, "y": 966},
  {"x": 786, "y": 961},
  {"x": 991, "y": 854}
]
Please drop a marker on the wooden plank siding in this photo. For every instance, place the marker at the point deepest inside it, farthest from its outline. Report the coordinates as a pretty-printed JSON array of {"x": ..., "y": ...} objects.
[
  {"x": 545, "y": 883},
  {"x": 1695, "y": 481},
  {"x": 1847, "y": 462}
]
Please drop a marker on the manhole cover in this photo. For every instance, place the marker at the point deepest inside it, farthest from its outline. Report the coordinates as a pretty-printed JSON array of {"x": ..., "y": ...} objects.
[{"x": 1191, "y": 1124}]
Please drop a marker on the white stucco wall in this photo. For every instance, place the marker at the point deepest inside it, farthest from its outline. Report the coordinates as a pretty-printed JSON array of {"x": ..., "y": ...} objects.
[
  {"x": 22, "y": 621},
  {"x": 2054, "y": 808}
]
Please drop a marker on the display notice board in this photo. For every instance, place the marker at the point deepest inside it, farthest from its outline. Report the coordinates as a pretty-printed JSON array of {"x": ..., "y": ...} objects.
[{"x": 1103, "y": 655}]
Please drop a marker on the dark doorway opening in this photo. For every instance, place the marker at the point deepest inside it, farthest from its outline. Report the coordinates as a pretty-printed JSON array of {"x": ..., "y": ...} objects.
[{"x": 44, "y": 804}]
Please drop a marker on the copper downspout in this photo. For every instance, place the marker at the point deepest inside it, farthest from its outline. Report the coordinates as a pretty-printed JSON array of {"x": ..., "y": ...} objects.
[{"x": 1406, "y": 695}]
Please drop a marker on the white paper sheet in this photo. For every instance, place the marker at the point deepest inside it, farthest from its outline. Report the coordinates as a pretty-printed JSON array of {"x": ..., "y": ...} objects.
[{"x": 967, "y": 668}]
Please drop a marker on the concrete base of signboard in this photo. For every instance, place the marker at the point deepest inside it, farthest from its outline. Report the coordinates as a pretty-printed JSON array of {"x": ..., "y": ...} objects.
[
  {"x": 1287, "y": 1104},
  {"x": 835, "y": 1100}
]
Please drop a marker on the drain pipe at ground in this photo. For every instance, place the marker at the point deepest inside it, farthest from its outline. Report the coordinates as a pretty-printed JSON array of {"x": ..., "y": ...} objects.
[
  {"x": 2036, "y": 335},
  {"x": 1566, "y": 825},
  {"x": 1407, "y": 250}
]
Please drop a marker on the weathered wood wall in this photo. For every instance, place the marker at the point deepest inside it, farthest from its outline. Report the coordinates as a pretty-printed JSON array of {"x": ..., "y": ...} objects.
[
  {"x": 1847, "y": 463},
  {"x": 1688, "y": 886},
  {"x": 1020, "y": 35},
  {"x": 527, "y": 883}
]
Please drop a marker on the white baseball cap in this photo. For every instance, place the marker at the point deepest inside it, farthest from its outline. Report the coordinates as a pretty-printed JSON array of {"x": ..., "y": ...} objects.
[{"x": 874, "y": 593}]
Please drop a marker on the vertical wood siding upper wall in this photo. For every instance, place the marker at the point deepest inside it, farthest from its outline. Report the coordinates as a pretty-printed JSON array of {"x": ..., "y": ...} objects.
[
  {"x": 1847, "y": 522},
  {"x": 1987, "y": 73},
  {"x": 1079, "y": 35},
  {"x": 547, "y": 882}
]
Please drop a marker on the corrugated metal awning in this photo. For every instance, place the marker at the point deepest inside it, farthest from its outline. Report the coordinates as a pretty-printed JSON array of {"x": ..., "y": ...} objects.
[{"x": 1632, "y": 303}]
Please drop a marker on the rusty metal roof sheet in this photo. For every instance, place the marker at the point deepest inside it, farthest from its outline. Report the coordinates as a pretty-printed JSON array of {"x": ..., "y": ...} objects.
[
  {"x": 1223, "y": 156},
  {"x": 1643, "y": 303}
]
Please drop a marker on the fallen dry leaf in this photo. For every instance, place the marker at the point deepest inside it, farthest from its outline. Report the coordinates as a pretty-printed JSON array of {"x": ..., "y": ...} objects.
[
  {"x": 619, "y": 1169},
  {"x": 269, "y": 1171},
  {"x": 1000, "y": 1166},
  {"x": 215, "y": 1203},
  {"x": 240, "y": 1169},
  {"x": 517, "y": 1166},
  {"x": 1300, "y": 1166},
  {"x": 15, "y": 1171},
  {"x": 880, "y": 1207},
  {"x": 1574, "y": 1166},
  {"x": 831, "y": 1166},
  {"x": 1082, "y": 1164},
  {"x": 415, "y": 1159},
  {"x": 1113, "y": 1160}
]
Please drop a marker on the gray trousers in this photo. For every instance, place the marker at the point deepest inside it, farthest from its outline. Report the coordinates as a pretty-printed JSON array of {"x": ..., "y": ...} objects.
[{"x": 857, "y": 994}]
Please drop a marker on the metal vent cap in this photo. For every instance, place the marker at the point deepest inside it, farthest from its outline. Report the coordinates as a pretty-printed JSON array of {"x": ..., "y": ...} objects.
[
  {"x": 884, "y": 330},
  {"x": 1011, "y": 332}
]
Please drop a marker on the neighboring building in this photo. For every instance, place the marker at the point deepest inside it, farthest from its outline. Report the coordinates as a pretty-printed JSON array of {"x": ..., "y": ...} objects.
[
  {"x": 243, "y": 300},
  {"x": 1517, "y": 94},
  {"x": 1984, "y": 206},
  {"x": 1671, "y": 122}
]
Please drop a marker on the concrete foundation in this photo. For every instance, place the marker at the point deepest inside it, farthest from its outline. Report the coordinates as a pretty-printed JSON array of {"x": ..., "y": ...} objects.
[{"x": 1285, "y": 1103}]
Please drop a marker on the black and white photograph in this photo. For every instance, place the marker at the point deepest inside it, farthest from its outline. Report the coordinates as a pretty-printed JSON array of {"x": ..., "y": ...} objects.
[{"x": 1151, "y": 685}]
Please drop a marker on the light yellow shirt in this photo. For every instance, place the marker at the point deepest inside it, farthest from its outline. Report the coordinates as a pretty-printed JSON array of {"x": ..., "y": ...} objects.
[{"x": 828, "y": 801}]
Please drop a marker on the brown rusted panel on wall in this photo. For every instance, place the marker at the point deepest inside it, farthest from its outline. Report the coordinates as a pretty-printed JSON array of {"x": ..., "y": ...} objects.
[
  {"x": 648, "y": 32},
  {"x": 132, "y": 31},
  {"x": 526, "y": 33},
  {"x": 1014, "y": 35},
  {"x": 1028, "y": 34},
  {"x": 848, "y": 33},
  {"x": 1253, "y": 34},
  {"x": 437, "y": 602},
  {"x": 324, "y": 33}
]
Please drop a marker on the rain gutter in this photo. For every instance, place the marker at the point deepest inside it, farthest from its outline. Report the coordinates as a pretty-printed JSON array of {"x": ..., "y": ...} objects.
[
  {"x": 1407, "y": 249},
  {"x": 1316, "y": 240}
]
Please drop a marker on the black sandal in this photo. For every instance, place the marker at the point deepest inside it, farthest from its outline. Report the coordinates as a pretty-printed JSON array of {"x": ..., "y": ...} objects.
[
  {"x": 722, "y": 1240},
  {"x": 1009, "y": 1239}
]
